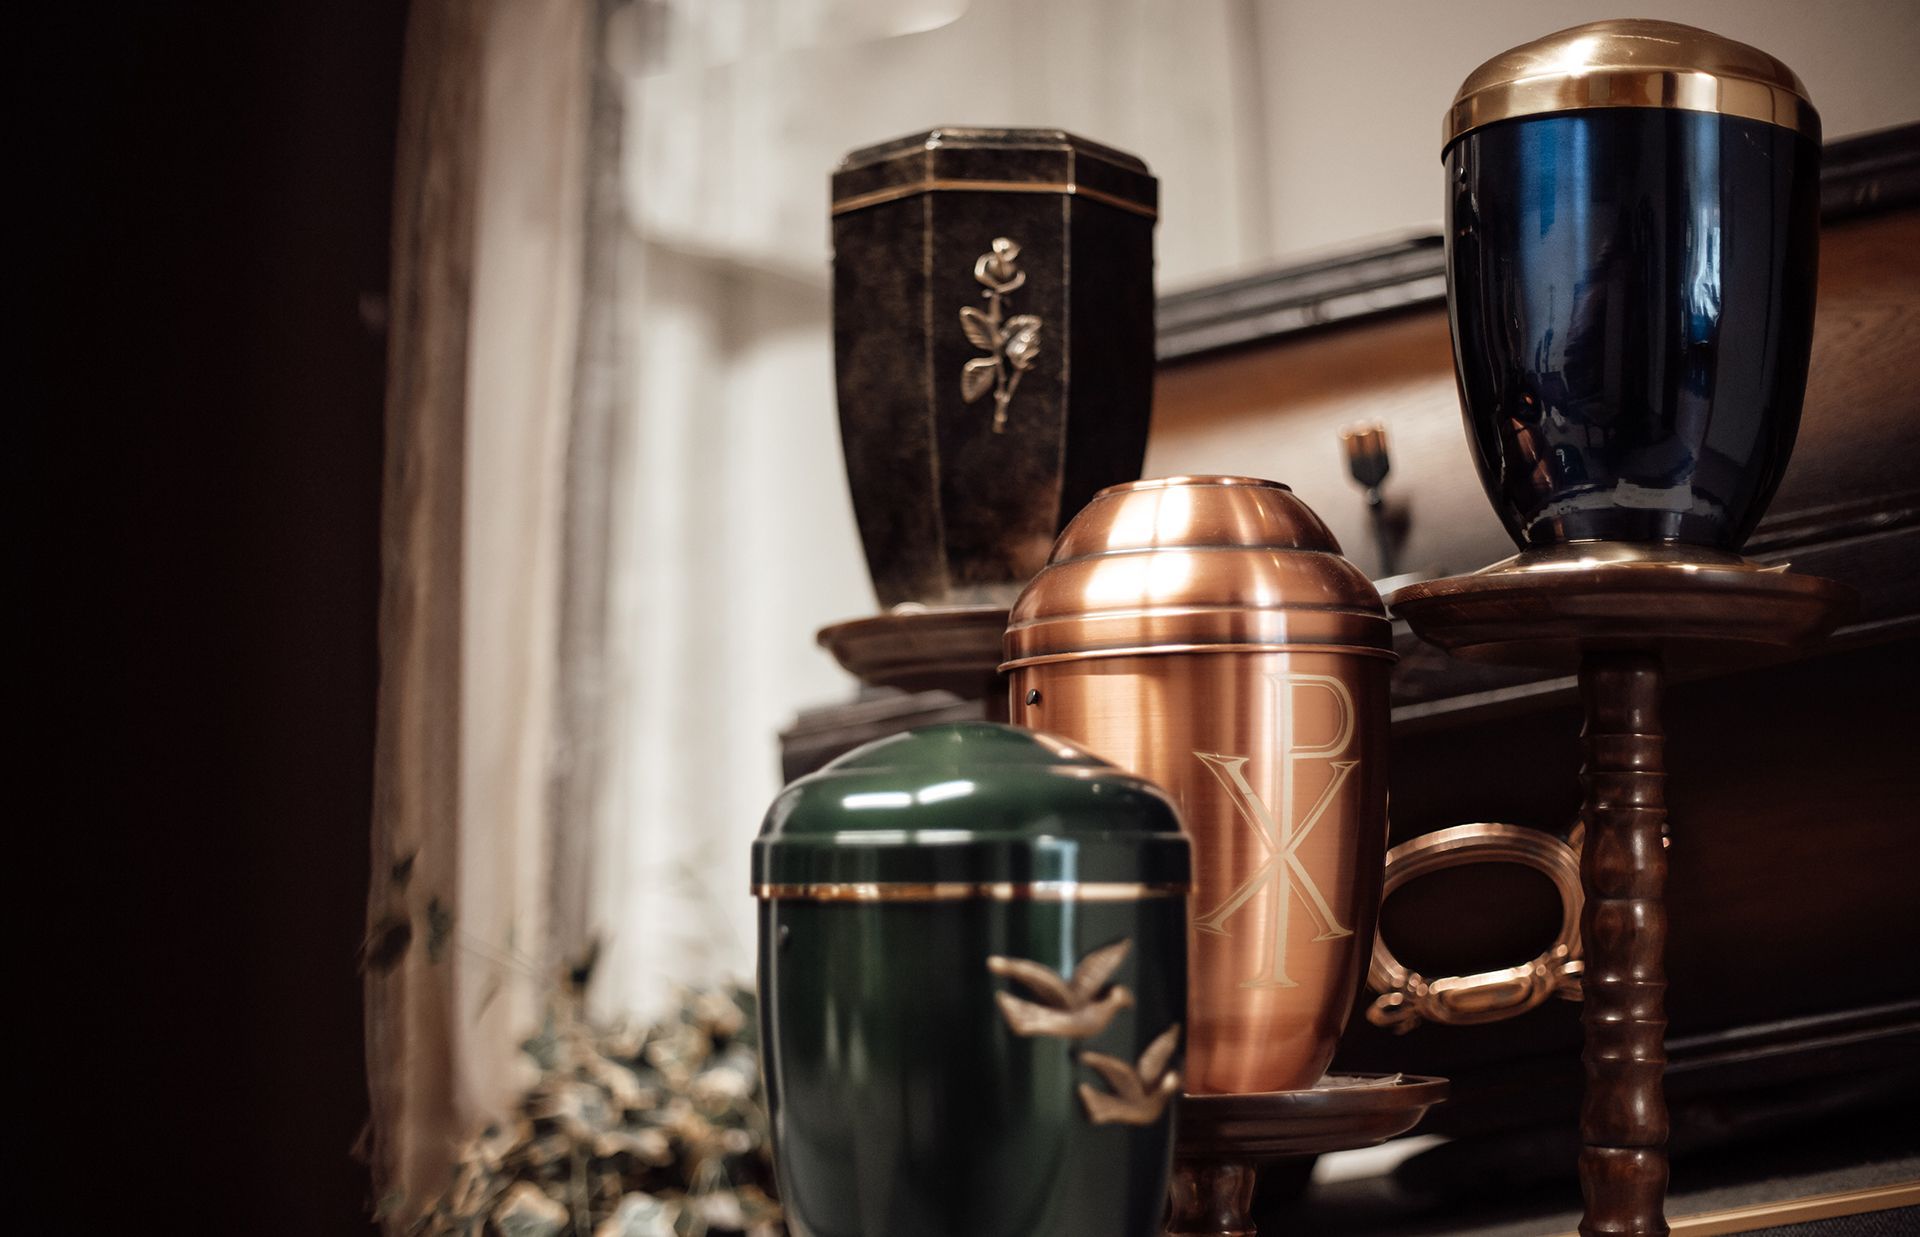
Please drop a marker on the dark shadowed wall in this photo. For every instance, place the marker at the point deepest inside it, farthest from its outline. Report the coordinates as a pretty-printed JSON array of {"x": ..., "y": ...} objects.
[{"x": 196, "y": 463}]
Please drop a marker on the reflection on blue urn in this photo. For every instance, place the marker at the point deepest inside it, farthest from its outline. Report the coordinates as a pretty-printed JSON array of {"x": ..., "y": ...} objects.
[
  {"x": 973, "y": 985},
  {"x": 1632, "y": 232}
]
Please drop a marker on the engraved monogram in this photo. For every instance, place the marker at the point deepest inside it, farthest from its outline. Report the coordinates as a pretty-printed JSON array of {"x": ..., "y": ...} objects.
[{"x": 1281, "y": 874}]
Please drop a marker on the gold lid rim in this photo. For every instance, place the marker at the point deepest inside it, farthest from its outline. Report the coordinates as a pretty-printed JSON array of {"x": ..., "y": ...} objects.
[
  {"x": 1062, "y": 188},
  {"x": 1187, "y": 480},
  {"x": 1631, "y": 64},
  {"x": 970, "y": 891},
  {"x": 1379, "y": 652}
]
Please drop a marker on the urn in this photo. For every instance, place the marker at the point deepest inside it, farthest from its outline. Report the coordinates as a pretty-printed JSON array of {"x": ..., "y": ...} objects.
[
  {"x": 1632, "y": 230},
  {"x": 1207, "y": 634},
  {"x": 976, "y": 271},
  {"x": 972, "y": 989}
]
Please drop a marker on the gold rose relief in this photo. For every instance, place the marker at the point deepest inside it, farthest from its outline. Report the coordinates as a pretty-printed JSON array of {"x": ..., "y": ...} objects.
[{"x": 1012, "y": 343}]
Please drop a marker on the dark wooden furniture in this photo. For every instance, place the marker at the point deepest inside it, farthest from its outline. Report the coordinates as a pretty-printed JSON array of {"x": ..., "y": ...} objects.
[
  {"x": 1795, "y": 990},
  {"x": 1621, "y": 618},
  {"x": 1223, "y": 1140},
  {"x": 946, "y": 649},
  {"x": 1793, "y": 954}
]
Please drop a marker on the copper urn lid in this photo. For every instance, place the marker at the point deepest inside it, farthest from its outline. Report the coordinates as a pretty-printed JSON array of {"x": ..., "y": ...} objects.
[
  {"x": 1632, "y": 62},
  {"x": 1185, "y": 564}
]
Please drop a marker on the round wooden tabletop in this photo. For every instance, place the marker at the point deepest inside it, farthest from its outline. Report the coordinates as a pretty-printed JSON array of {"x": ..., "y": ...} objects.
[
  {"x": 1340, "y": 1113},
  {"x": 954, "y": 649},
  {"x": 1696, "y": 607}
]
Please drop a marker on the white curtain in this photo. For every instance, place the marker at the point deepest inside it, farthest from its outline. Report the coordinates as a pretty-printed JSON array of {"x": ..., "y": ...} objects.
[
  {"x": 734, "y": 539},
  {"x": 486, "y": 298}
]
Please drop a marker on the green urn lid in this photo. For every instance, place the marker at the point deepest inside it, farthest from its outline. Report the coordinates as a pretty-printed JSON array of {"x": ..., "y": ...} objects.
[{"x": 971, "y": 810}]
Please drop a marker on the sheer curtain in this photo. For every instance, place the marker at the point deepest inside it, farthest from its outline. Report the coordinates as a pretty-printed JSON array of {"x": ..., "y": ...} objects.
[
  {"x": 733, "y": 538},
  {"x": 488, "y": 221},
  {"x": 615, "y": 511}
]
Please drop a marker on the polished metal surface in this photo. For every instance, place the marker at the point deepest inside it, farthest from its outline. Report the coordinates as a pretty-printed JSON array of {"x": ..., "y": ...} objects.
[
  {"x": 1631, "y": 62},
  {"x": 1205, "y": 633},
  {"x": 1631, "y": 282},
  {"x": 1407, "y": 998},
  {"x": 1227, "y": 564}
]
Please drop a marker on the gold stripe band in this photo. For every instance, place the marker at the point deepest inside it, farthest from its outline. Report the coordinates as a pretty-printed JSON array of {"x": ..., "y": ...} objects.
[
  {"x": 1149, "y": 650},
  {"x": 1071, "y": 189},
  {"x": 1672, "y": 89},
  {"x": 963, "y": 891}
]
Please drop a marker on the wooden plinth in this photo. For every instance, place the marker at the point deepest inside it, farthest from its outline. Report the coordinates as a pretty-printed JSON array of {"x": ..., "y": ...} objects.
[
  {"x": 955, "y": 649},
  {"x": 1624, "y": 616},
  {"x": 1221, "y": 1140}
]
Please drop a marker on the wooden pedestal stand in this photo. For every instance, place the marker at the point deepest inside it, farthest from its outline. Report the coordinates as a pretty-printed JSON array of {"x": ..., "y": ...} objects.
[
  {"x": 955, "y": 649},
  {"x": 1221, "y": 1140},
  {"x": 1624, "y": 617}
]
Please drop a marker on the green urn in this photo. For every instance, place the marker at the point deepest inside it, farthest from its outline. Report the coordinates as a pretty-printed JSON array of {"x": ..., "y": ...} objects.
[{"x": 973, "y": 978}]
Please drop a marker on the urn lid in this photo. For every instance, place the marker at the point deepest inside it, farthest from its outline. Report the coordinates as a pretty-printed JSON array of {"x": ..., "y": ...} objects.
[
  {"x": 1186, "y": 564},
  {"x": 981, "y": 160},
  {"x": 971, "y": 810},
  {"x": 1632, "y": 62}
]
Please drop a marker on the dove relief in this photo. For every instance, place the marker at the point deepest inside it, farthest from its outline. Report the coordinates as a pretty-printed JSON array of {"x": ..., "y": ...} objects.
[
  {"x": 1064, "y": 1009},
  {"x": 1083, "y": 1006},
  {"x": 1140, "y": 1093}
]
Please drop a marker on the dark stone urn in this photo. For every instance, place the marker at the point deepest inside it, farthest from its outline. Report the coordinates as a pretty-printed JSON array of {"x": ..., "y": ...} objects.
[{"x": 993, "y": 342}]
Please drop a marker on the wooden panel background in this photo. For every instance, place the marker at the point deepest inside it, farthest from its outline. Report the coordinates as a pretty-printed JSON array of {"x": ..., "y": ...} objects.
[
  {"x": 1275, "y": 410},
  {"x": 1793, "y": 950}
]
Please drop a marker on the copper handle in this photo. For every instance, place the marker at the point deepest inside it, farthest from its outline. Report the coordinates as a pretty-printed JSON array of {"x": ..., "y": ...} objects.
[{"x": 1407, "y": 999}]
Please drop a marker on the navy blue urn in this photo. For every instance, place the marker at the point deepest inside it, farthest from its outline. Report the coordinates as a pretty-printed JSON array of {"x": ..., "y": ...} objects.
[{"x": 1632, "y": 236}]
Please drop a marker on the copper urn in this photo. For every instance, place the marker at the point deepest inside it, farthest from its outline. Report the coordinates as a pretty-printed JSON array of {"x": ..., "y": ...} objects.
[{"x": 1207, "y": 634}]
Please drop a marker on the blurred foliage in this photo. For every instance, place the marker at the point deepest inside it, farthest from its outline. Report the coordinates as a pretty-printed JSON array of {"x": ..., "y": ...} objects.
[{"x": 660, "y": 1132}]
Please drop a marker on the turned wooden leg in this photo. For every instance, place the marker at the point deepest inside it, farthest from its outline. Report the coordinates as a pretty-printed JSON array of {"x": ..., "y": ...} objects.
[
  {"x": 1623, "y": 1114},
  {"x": 1211, "y": 1199}
]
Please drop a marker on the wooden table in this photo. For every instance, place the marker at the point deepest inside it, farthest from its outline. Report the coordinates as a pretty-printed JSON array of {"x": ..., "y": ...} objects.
[
  {"x": 1624, "y": 616},
  {"x": 1221, "y": 1140}
]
